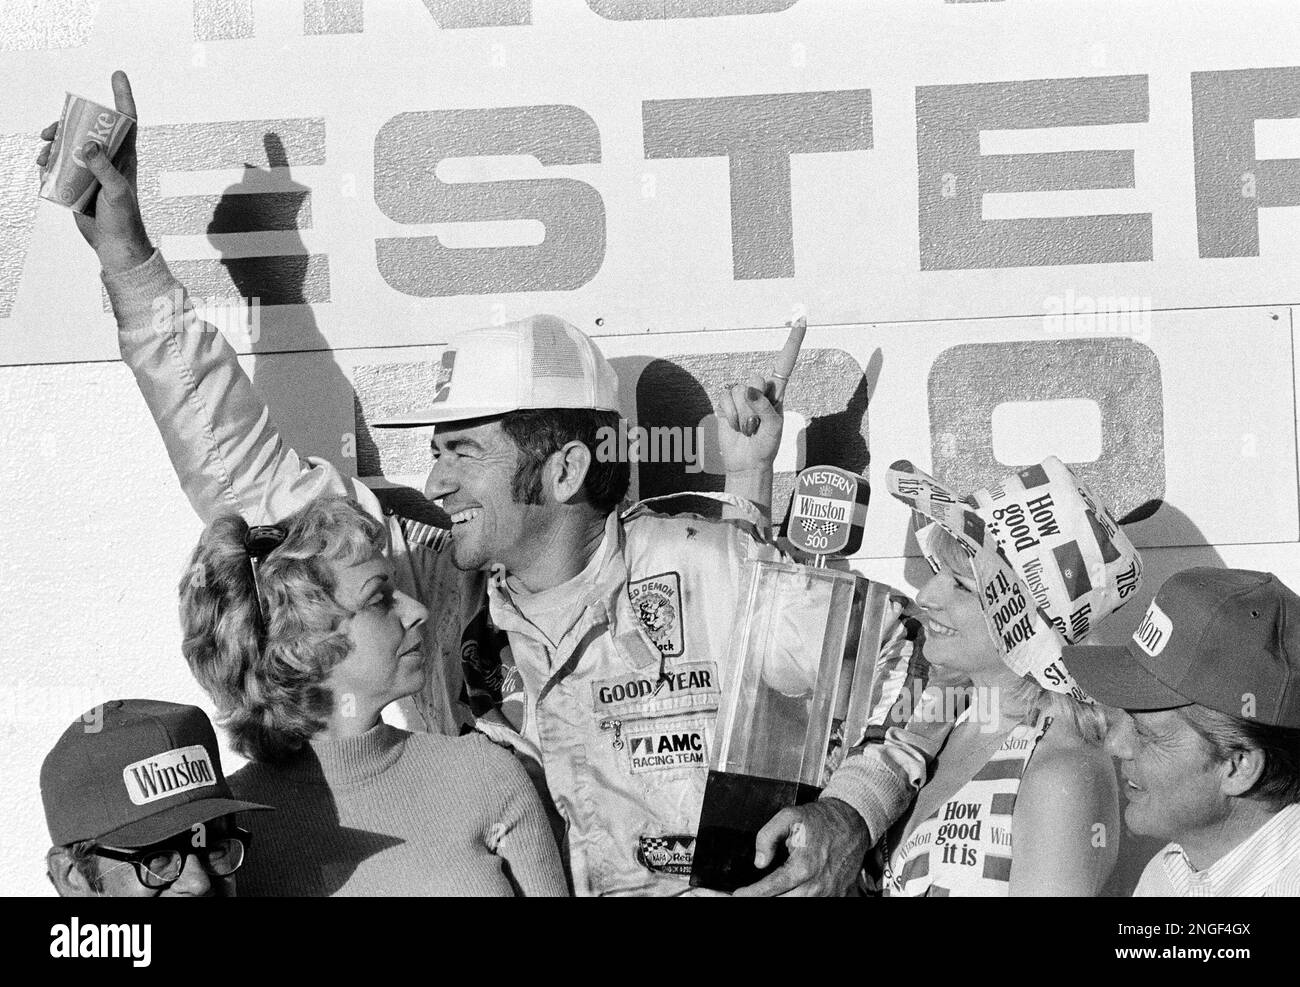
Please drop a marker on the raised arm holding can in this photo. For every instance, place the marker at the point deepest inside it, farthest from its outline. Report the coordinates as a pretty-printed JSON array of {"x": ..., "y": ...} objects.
[
  {"x": 117, "y": 235},
  {"x": 66, "y": 177}
]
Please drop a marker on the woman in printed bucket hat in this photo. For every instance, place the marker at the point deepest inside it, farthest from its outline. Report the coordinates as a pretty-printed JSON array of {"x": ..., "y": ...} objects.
[{"x": 1022, "y": 799}]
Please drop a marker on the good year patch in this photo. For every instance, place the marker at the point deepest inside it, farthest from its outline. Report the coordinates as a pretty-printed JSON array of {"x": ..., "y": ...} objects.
[{"x": 688, "y": 685}]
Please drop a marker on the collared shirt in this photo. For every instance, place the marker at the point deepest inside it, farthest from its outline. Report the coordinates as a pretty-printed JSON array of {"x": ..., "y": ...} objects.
[
  {"x": 1264, "y": 865},
  {"x": 551, "y": 611}
]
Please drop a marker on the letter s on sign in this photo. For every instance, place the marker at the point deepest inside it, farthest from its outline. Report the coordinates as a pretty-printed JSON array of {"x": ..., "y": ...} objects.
[{"x": 407, "y": 190}]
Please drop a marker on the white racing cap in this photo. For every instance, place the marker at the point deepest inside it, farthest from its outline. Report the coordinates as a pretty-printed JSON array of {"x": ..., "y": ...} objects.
[{"x": 537, "y": 362}]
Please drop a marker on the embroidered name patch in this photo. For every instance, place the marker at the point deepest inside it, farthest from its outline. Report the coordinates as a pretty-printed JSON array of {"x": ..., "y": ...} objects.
[
  {"x": 657, "y": 600},
  {"x": 666, "y": 749},
  {"x": 666, "y": 854}
]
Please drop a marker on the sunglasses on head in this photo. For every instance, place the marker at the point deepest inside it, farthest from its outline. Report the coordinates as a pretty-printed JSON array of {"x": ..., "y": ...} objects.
[{"x": 259, "y": 542}]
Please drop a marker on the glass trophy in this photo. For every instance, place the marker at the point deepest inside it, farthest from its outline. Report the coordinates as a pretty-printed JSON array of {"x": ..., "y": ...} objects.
[{"x": 804, "y": 652}]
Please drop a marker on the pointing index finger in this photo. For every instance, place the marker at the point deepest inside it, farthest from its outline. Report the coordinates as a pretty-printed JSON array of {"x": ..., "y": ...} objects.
[
  {"x": 122, "y": 95},
  {"x": 789, "y": 356}
]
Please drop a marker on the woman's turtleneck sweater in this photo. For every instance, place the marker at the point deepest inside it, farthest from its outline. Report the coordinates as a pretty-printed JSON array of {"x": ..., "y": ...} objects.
[{"x": 397, "y": 813}]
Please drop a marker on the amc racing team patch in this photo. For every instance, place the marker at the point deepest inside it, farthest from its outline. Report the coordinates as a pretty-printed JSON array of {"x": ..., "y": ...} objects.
[{"x": 664, "y": 749}]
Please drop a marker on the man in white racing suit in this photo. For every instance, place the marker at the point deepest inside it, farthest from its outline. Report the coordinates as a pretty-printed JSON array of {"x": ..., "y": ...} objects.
[{"x": 618, "y": 624}]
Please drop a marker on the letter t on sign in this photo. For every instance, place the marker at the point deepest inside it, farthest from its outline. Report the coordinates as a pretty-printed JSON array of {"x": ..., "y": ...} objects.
[{"x": 757, "y": 134}]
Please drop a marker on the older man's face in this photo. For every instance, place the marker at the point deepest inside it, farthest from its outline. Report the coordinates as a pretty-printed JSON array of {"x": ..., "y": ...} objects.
[
  {"x": 119, "y": 880},
  {"x": 1173, "y": 786}
]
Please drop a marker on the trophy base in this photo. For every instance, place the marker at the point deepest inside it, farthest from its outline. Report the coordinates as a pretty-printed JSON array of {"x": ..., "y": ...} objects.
[{"x": 736, "y": 806}]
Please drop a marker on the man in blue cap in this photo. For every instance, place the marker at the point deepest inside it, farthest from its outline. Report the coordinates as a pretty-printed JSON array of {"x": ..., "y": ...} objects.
[
  {"x": 1207, "y": 731},
  {"x": 138, "y": 806}
]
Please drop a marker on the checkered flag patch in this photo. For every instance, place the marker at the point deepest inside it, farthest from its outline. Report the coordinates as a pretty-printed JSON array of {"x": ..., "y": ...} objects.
[
  {"x": 818, "y": 527},
  {"x": 671, "y": 843}
]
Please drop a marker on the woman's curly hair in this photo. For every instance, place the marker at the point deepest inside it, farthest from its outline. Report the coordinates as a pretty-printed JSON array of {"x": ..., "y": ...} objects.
[{"x": 270, "y": 693}]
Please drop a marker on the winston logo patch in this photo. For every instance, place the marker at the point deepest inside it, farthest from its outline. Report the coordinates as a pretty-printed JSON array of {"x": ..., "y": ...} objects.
[
  {"x": 170, "y": 773},
  {"x": 1153, "y": 633}
]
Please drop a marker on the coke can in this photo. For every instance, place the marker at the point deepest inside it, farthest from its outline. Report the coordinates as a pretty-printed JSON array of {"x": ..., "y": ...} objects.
[{"x": 66, "y": 178}]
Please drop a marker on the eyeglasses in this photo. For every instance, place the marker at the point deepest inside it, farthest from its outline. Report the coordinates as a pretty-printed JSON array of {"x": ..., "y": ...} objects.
[{"x": 159, "y": 867}]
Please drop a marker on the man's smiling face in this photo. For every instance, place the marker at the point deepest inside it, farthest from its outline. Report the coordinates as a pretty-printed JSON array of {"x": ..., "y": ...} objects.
[
  {"x": 1172, "y": 784},
  {"x": 473, "y": 471}
]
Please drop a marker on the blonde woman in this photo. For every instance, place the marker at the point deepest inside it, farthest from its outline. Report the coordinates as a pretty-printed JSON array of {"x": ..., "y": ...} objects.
[
  {"x": 300, "y": 636},
  {"x": 1022, "y": 799}
]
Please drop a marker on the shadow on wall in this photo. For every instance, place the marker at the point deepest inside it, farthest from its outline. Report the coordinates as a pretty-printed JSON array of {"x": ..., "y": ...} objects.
[
  {"x": 677, "y": 392},
  {"x": 279, "y": 281},
  {"x": 1159, "y": 563}
]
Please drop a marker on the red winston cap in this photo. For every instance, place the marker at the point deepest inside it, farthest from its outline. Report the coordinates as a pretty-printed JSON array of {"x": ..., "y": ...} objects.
[
  {"x": 1227, "y": 639},
  {"x": 132, "y": 772}
]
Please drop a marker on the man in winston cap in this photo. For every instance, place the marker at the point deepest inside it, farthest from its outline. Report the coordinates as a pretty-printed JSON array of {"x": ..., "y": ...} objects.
[
  {"x": 1207, "y": 731},
  {"x": 137, "y": 805}
]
